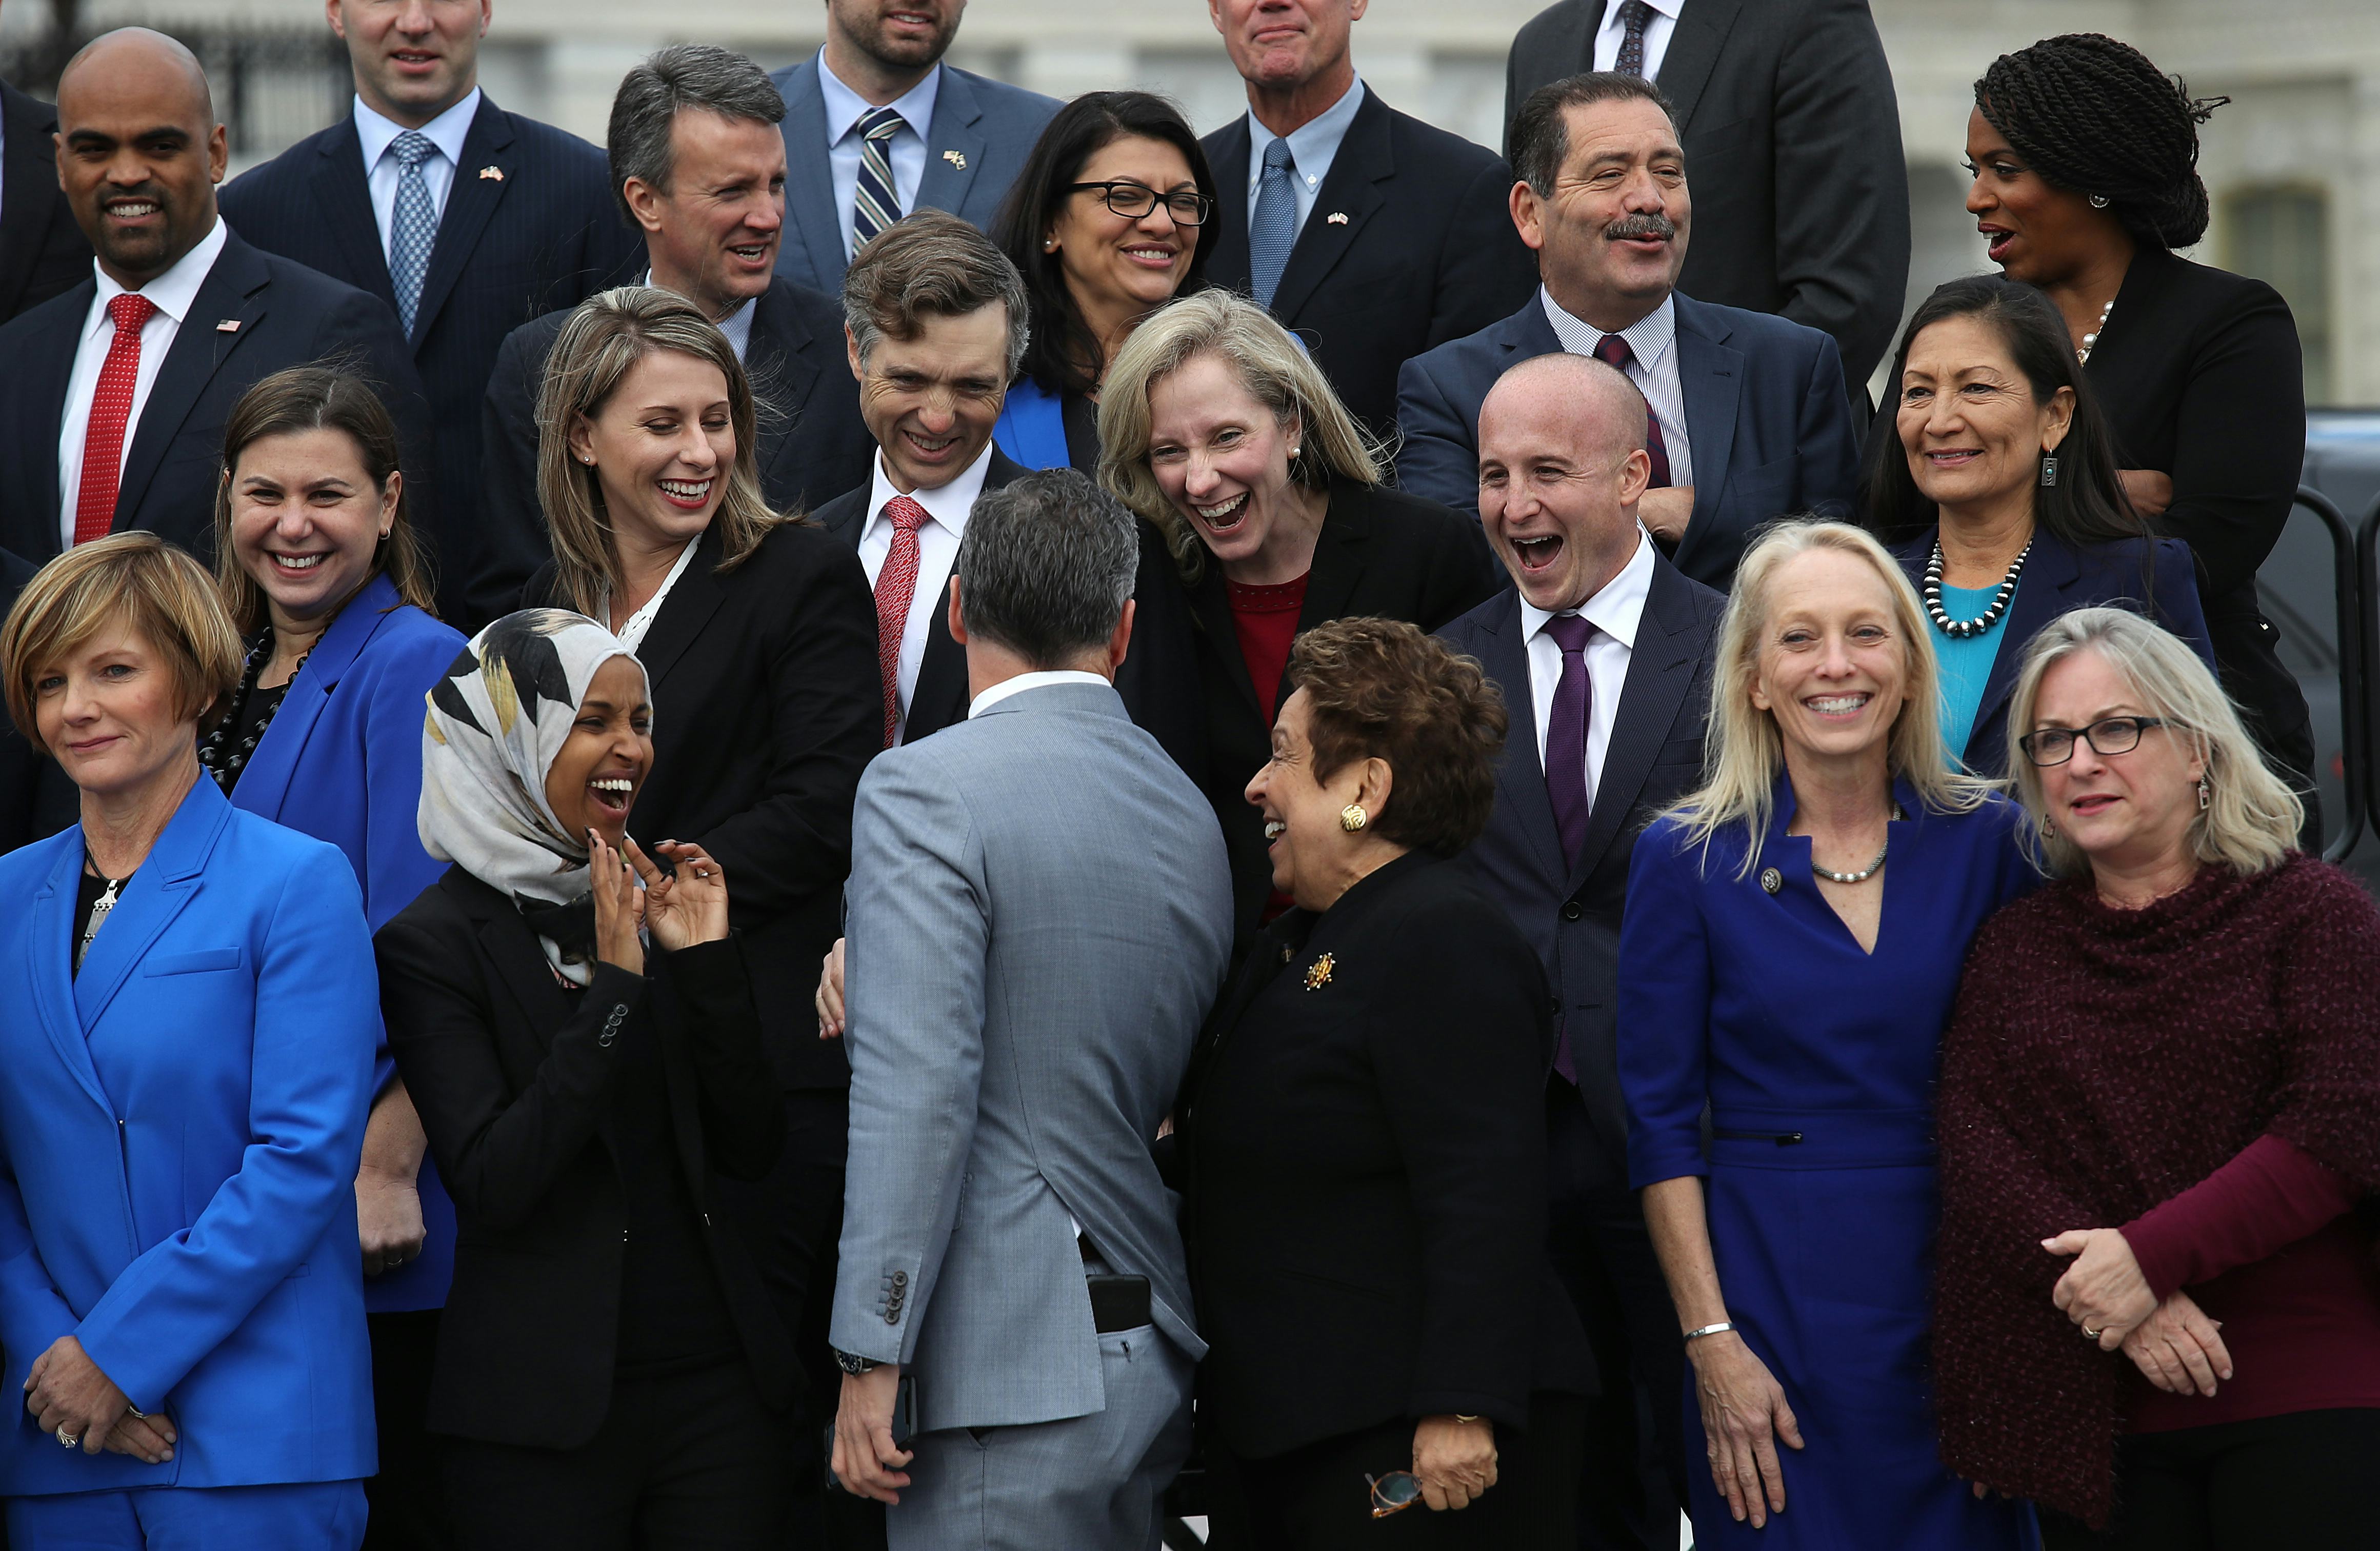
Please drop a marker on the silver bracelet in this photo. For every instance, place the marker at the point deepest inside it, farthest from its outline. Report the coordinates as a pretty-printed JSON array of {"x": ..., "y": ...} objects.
[{"x": 1709, "y": 1330}]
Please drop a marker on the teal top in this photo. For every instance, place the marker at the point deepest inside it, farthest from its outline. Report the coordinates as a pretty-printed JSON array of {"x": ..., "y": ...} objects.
[{"x": 1966, "y": 662}]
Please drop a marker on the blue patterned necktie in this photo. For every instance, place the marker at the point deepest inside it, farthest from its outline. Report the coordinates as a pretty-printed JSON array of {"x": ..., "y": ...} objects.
[
  {"x": 1634, "y": 16},
  {"x": 414, "y": 228},
  {"x": 874, "y": 205},
  {"x": 1274, "y": 231}
]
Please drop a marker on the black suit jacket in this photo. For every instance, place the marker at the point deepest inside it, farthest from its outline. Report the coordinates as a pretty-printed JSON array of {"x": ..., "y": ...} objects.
[
  {"x": 765, "y": 710},
  {"x": 1426, "y": 251},
  {"x": 513, "y": 1084},
  {"x": 254, "y": 315},
  {"x": 1792, "y": 141},
  {"x": 42, "y": 250},
  {"x": 1570, "y": 915},
  {"x": 540, "y": 234},
  {"x": 1363, "y": 1134},
  {"x": 812, "y": 442},
  {"x": 1381, "y": 554}
]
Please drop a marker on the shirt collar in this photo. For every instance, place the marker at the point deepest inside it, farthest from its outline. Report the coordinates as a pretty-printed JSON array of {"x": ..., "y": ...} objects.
[
  {"x": 447, "y": 131},
  {"x": 1649, "y": 336},
  {"x": 174, "y": 292},
  {"x": 1314, "y": 144},
  {"x": 1616, "y": 608},
  {"x": 845, "y": 107},
  {"x": 1037, "y": 680},
  {"x": 1667, "y": 7},
  {"x": 736, "y": 325},
  {"x": 947, "y": 504}
]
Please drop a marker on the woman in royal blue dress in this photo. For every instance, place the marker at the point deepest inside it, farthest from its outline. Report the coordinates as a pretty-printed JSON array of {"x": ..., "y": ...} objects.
[{"x": 1764, "y": 977}]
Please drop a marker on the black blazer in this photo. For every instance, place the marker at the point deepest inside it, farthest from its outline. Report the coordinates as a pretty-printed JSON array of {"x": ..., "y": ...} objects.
[
  {"x": 1570, "y": 915},
  {"x": 765, "y": 710},
  {"x": 36, "y": 798},
  {"x": 1427, "y": 252},
  {"x": 1363, "y": 1137},
  {"x": 1792, "y": 141},
  {"x": 254, "y": 315},
  {"x": 42, "y": 250},
  {"x": 539, "y": 233},
  {"x": 812, "y": 442},
  {"x": 1381, "y": 554},
  {"x": 514, "y": 1087}
]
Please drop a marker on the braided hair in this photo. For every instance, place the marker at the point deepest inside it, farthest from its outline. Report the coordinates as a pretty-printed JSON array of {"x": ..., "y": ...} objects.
[{"x": 2094, "y": 115}]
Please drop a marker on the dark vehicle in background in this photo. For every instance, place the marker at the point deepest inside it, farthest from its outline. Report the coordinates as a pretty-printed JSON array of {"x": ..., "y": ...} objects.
[{"x": 2295, "y": 588}]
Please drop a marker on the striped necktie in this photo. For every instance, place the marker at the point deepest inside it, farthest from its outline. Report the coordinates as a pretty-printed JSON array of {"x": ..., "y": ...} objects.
[{"x": 874, "y": 205}]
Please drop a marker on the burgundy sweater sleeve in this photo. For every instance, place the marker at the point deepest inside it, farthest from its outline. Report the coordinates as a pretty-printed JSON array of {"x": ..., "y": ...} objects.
[{"x": 2271, "y": 1196}]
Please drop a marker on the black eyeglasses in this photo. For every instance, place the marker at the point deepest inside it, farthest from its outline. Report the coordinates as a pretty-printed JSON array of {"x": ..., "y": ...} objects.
[
  {"x": 1134, "y": 201},
  {"x": 2116, "y": 734}
]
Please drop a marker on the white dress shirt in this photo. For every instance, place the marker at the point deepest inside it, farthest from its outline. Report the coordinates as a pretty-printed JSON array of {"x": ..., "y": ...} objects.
[
  {"x": 938, "y": 546},
  {"x": 173, "y": 293},
  {"x": 447, "y": 132},
  {"x": 1655, "y": 370},
  {"x": 1018, "y": 686},
  {"x": 1615, "y": 611},
  {"x": 1658, "y": 29},
  {"x": 1313, "y": 146},
  {"x": 736, "y": 325},
  {"x": 905, "y": 151}
]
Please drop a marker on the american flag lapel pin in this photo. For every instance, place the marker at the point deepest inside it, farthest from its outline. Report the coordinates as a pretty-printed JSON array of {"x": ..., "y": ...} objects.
[
  {"x": 956, "y": 159},
  {"x": 1336, "y": 218},
  {"x": 492, "y": 171},
  {"x": 229, "y": 325}
]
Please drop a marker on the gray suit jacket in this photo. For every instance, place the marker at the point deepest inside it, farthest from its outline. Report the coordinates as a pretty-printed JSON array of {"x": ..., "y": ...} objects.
[
  {"x": 1039, "y": 914},
  {"x": 983, "y": 131}
]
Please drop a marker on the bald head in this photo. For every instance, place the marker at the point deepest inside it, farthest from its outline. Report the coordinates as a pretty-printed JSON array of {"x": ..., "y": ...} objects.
[
  {"x": 1561, "y": 466},
  {"x": 140, "y": 152},
  {"x": 1605, "y": 411}
]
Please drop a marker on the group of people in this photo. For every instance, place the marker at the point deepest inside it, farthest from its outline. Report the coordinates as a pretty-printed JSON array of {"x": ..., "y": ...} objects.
[{"x": 1135, "y": 824}]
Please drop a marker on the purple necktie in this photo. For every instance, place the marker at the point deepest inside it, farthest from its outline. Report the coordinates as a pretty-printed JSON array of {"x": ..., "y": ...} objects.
[
  {"x": 1614, "y": 351},
  {"x": 1566, "y": 767}
]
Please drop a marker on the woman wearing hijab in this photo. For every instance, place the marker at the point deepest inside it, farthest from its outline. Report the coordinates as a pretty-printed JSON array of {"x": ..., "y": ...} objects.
[{"x": 577, "y": 1027}]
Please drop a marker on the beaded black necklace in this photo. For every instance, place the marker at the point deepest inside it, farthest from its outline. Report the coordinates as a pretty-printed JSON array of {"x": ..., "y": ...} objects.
[
  {"x": 1964, "y": 629},
  {"x": 225, "y": 767}
]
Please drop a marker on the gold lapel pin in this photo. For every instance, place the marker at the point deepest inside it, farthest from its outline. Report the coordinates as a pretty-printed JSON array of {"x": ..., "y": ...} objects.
[
  {"x": 956, "y": 159},
  {"x": 1317, "y": 974},
  {"x": 229, "y": 325},
  {"x": 1336, "y": 218},
  {"x": 493, "y": 172}
]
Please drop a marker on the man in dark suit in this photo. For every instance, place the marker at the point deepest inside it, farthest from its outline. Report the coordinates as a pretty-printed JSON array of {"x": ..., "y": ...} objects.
[
  {"x": 1790, "y": 125},
  {"x": 1372, "y": 234},
  {"x": 1603, "y": 652},
  {"x": 467, "y": 220},
  {"x": 42, "y": 250},
  {"x": 877, "y": 127},
  {"x": 1750, "y": 419},
  {"x": 699, "y": 171},
  {"x": 112, "y": 406}
]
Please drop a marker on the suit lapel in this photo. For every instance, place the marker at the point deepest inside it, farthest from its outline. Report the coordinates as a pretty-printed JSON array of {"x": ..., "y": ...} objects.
[
  {"x": 469, "y": 205},
  {"x": 809, "y": 177},
  {"x": 1701, "y": 29},
  {"x": 1340, "y": 551},
  {"x": 520, "y": 962},
  {"x": 683, "y": 613},
  {"x": 264, "y": 784},
  {"x": 1710, "y": 377},
  {"x": 2049, "y": 575},
  {"x": 235, "y": 290},
  {"x": 939, "y": 697},
  {"x": 954, "y": 145},
  {"x": 1210, "y": 601},
  {"x": 780, "y": 375},
  {"x": 342, "y": 198},
  {"x": 1352, "y": 190},
  {"x": 162, "y": 887},
  {"x": 48, "y": 360},
  {"x": 1660, "y": 672},
  {"x": 51, "y": 952},
  {"x": 1520, "y": 773}
]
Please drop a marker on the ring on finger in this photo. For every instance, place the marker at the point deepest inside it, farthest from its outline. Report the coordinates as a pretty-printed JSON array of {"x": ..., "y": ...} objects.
[{"x": 2091, "y": 1335}]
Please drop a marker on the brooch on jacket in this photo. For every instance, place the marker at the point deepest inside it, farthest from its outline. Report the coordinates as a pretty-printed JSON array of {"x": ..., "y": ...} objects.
[{"x": 1317, "y": 974}]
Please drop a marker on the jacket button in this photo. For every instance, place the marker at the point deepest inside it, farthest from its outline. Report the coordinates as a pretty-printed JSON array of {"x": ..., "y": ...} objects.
[
  {"x": 1573, "y": 909},
  {"x": 900, "y": 1279}
]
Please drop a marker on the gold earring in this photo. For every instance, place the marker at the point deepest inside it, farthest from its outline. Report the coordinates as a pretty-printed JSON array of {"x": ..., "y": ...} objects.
[{"x": 1353, "y": 817}]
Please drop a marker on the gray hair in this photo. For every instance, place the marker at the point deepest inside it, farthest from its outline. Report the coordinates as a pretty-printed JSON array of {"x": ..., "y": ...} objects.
[
  {"x": 1047, "y": 566},
  {"x": 931, "y": 264},
  {"x": 2252, "y": 817},
  {"x": 1538, "y": 143},
  {"x": 652, "y": 94}
]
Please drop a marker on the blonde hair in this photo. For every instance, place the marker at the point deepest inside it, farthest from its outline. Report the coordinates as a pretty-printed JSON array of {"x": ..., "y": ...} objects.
[
  {"x": 1270, "y": 365},
  {"x": 159, "y": 592},
  {"x": 2252, "y": 817},
  {"x": 605, "y": 336},
  {"x": 1744, "y": 751}
]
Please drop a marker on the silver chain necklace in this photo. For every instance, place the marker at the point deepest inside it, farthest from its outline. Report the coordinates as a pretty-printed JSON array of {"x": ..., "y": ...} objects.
[{"x": 1864, "y": 873}]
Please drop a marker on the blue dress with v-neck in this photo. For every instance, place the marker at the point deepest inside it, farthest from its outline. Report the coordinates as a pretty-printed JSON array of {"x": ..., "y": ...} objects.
[{"x": 1746, "y": 993}]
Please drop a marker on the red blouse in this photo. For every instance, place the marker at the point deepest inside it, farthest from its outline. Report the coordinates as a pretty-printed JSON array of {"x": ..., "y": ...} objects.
[{"x": 1265, "y": 618}]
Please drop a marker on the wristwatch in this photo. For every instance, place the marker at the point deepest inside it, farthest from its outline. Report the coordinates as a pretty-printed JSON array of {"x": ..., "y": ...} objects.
[{"x": 855, "y": 1366}]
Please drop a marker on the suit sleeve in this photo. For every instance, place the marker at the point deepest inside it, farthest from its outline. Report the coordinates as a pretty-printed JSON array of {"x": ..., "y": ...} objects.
[
  {"x": 310, "y": 1088},
  {"x": 33, "y": 1314},
  {"x": 2177, "y": 605},
  {"x": 1663, "y": 1030},
  {"x": 742, "y": 1112},
  {"x": 512, "y": 541},
  {"x": 1484, "y": 271},
  {"x": 396, "y": 869},
  {"x": 2240, "y": 441},
  {"x": 1437, "y": 450},
  {"x": 1830, "y": 440}
]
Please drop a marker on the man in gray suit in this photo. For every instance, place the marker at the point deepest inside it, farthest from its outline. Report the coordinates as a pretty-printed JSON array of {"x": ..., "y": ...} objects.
[
  {"x": 877, "y": 128},
  {"x": 1023, "y": 989}
]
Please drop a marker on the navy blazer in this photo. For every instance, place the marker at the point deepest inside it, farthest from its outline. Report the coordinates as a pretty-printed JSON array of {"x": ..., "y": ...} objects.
[
  {"x": 42, "y": 250},
  {"x": 1570, "y": 915},
  {"x": 983, "y": 131},
  {"x": 255, "y": 314},
  {"x": 2151, "y": 576},
  {"x": 178, "y": 1140},
  {"x": 538, "y": 233},
  {"x": 813, "y": 445},
  {"x": 1766, "y": 414}
]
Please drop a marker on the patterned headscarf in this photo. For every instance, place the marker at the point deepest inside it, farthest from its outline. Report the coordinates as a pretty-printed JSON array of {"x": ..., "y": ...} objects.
[{"x": 496, "y": 720}]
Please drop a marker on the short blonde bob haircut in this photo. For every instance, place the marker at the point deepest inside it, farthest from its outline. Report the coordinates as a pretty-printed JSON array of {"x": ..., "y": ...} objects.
[
  {"x": 603, "y": 339},
  {"x": 2252, "y": 817},
  {"x": 1270, "y": 364},
  {"x": 1744, "y": 753},
  {"x": 136, "y": 580}
]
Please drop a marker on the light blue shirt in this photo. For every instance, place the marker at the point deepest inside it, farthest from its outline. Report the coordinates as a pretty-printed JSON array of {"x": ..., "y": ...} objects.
[
  {"x": 1966, "y": 663},
  {"x": 844, "y": 109},
  {"x": 1313, "y": 146},
  {"x": 447, "y": 132}
]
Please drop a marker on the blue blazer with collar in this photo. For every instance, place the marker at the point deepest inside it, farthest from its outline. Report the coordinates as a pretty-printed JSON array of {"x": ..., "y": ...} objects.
[
  {"x": 983, "y": 131},
  {"x": 178, "y": 1140},
  {"x": 1767, "y": 413},
  {"x": 2154, "y": 578}
]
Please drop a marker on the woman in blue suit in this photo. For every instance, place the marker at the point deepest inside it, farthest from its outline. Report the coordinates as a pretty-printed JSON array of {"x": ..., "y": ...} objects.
[
  {"x": 1764, "y": 978},
  {"x": 326, "y": 584},
  {"x": 191, "y": 1011}
]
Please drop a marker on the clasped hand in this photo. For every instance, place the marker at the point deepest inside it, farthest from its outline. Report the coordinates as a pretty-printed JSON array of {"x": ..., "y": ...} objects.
[
  {"x": 69, "y": 1396},
  {"x": 2104, "y": 1292},
  {"x": 1454, "y": 1460},
  {"x": 680, "y": 910}
]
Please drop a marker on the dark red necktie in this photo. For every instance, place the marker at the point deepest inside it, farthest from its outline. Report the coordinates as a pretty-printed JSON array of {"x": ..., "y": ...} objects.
[
  {"x": 1613, "y": 350},
  {"x": 1634, "y": 16},
  {"x": 896, "y": 584},
  {"x": 111, "y": 409}
]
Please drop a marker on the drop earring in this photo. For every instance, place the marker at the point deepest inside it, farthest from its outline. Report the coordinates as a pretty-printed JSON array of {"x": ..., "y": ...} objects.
[
  {"x": 2050, "y": 471},
  {"x": 2206, "y": 794}
]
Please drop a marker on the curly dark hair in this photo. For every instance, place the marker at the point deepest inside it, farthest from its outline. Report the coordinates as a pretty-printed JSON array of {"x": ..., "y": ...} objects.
[
  {"x": 1380, "y": 688},
  {"x": 2093, "y": 114}
]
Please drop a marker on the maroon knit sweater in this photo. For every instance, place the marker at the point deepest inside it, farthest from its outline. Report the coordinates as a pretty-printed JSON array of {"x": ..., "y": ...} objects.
[{"x": 2204, "y": 1073}]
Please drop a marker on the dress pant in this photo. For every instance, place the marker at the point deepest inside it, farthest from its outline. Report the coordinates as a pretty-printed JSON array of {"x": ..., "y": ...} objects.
[
  {"x": 409, "y": 1497},
  {"x": 2274, "y": 1484},
  {"x": 303, "y": 1516},
  {"x": 685, "y": 1460}
]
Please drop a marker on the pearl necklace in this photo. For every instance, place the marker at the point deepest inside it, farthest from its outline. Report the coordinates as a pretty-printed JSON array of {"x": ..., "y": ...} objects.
[
  {"x": 1967, "y": 629},
  {"x": 2083, "y": 357}
]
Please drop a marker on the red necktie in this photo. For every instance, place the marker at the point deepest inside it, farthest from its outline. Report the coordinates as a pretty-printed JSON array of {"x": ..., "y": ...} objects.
[
  {"x": 1614, "y": 351},
  {"x": 111, "y": 406},
  {"x": 896, "y": 584}
]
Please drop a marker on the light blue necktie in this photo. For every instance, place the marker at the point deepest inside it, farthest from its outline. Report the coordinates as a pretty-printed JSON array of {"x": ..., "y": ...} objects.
[
  {"x": 1274, "y": 231},
  {"x": 414, "y": 228}
]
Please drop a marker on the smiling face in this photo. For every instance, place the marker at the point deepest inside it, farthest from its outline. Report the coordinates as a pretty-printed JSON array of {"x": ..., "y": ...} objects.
[
  {"x": 601, "y": 767},
  {"x": 1613, "y": 237},
  {"x": 930, "y": 402},
  {"x": 1112, "y": 263},
  {"x": 662, "y": 446},
  {"x": 106, "y": 711},
  {"x": 1833, "y": 668},
  {"x": 713, "y": 238},
  {"x": 2133, "y": 810},
  {"x": 1969, "y": 423},
  {"x": 897, "y": 34},
  {"x": 413, "y": 59},
  {"x": 1280, "y": 44},
  {"x": 2036, "y": 231},
  {"x": 1222, "y": 459},
  {"x": 307, "y": 520},
  {"x": 1303, "y": 838},
  {"x": 1560, "y": 477},
  {"x": 139, "y": 155}
]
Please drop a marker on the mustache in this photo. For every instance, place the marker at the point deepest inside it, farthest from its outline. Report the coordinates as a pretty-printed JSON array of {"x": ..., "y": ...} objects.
[{"x": 1631, "y": 228}]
